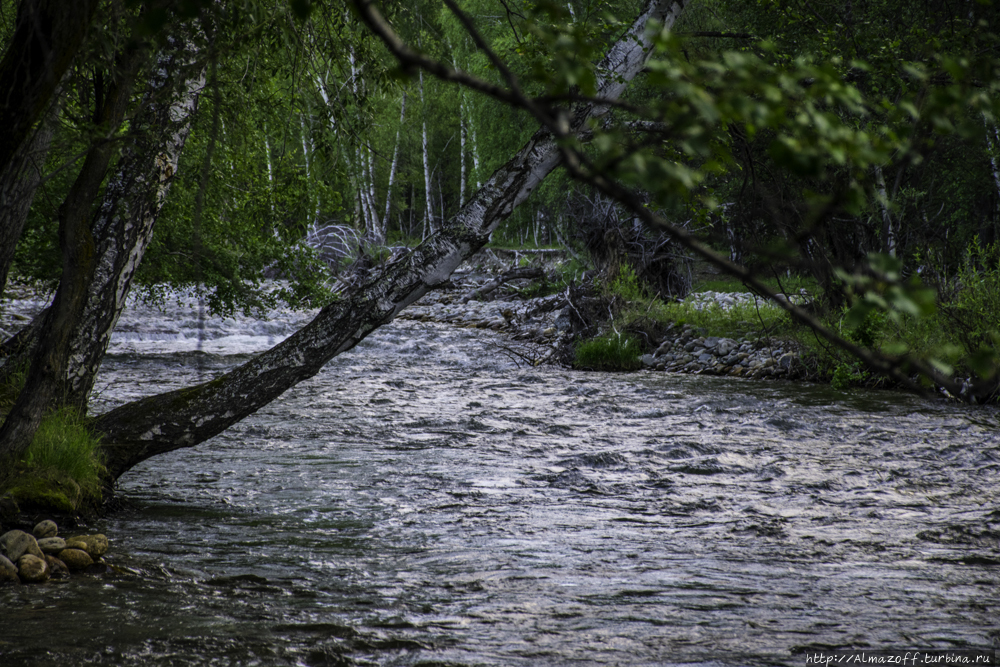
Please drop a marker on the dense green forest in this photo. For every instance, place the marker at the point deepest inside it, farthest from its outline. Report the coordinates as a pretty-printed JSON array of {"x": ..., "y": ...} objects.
[
  {"x": 847, "y": 145},
  {"x": 306, "y": 123}
]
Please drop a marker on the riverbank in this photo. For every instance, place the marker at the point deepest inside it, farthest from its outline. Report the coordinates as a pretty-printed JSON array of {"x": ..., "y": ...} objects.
[{"x": 545, "y": 326}]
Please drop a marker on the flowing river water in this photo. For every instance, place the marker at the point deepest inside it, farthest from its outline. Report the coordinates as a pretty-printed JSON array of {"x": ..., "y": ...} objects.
[{"x": 425, "y": 501}]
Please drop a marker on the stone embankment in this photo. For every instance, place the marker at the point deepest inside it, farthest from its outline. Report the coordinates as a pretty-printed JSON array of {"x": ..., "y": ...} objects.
[
  {"x": 548, "y": 322},
  {"x": 683, "y": 350},
  {"x": 43, "y": 555}
]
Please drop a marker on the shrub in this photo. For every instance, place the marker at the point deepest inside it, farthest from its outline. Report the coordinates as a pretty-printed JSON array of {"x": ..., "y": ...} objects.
[{"x": 626, "y": 285}]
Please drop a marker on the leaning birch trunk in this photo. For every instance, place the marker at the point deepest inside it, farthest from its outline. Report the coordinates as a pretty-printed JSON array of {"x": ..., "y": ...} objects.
[
  {"x": 158, "y": 424},
  {"x": 123, "y": 225}
]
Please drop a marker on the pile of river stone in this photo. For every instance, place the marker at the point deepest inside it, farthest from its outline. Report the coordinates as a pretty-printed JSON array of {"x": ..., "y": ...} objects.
[{"x": 43, "y": 554}]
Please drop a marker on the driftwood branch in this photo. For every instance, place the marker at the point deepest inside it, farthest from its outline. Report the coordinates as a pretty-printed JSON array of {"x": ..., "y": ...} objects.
[{"x": 528, "y": 272}]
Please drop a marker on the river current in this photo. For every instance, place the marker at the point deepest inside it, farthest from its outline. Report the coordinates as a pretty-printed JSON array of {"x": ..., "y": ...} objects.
[{"x": 426, "y": 501}]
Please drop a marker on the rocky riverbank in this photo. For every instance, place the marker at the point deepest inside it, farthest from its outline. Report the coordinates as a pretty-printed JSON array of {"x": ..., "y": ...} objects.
[
  {"x": 547, "y": 324},
  {"x": 41, "y": 555}
]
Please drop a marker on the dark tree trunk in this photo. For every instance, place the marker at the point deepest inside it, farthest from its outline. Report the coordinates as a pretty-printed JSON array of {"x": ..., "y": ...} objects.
[
  {"x": 18, "y": 184},
  {"x": 47, "y": 36},
  {"x": 187, "y": 417},
  {"x": 76, "y": 243}
]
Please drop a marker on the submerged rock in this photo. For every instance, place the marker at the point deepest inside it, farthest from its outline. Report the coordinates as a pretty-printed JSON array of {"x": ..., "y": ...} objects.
[{"x": 57, "y": 568}]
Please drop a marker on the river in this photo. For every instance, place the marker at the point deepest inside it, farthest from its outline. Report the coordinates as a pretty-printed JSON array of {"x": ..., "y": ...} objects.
[{"x": 425, "y": 501}]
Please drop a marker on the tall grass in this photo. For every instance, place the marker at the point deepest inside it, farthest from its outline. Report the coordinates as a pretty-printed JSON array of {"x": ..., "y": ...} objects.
[
  {"x": 609, "y": 353},
  {"x": 63, "y": 447}
]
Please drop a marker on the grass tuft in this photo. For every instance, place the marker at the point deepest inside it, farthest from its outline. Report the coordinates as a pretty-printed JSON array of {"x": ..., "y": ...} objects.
[
  {"x": 609, "y": 353},
  {"x": 63, "y": 448}
]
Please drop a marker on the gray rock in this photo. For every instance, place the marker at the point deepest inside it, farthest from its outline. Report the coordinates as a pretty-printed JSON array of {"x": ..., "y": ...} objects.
[
  {"x": 705, "y": 358},
  {"x": 32, "y": 569},
  {"x": 788, "y": 361},
  {"x": 45, "y": 529},
  {"x": 8, "y": 571},
  {"x": 16, "y": 543},
  {"x": 711, "y": 342},
  {"x": 564, "y": 320},
  {"x": 51, "y": 545},
  {"x": 725, "y": 347},
  {"x": 648, "y": 360}
]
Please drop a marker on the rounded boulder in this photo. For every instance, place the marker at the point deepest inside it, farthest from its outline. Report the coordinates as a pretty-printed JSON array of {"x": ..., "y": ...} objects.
[
  {"x": 75, "y": 559},
  {"x": 51, "y": 545},
  {"x": 16, "y": 543},
  {"x": 32, "y": 569},
  {"x": 8, "y": 571},
  {"x": 45, "y": 529}
]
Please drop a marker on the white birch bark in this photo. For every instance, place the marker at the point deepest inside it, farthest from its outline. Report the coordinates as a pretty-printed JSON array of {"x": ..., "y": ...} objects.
[
  {"x": 428, "y": 208},
  {"x": 395, "y": 164},
  {"x": 475, "y": 146},
  {"x": 461, "y": 151},
  {"x": 992, "y": 142},
  {"x": 888, "y": 231}
]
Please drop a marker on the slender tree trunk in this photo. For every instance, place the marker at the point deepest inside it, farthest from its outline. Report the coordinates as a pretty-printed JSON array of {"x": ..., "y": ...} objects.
[
  {"x": 395, "y": 162},
  {"x": 475, "y": 145},
  {"x": 184, "y": 418},
  {"x": 461, "y": 150},
  {"x": 18, "y": 184},
  {"x": 992, "y": 142},
  {"x": 428, "y": 208},
  {"x": 375, "y": 224},
  {"x": 888, "y": 230}
]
